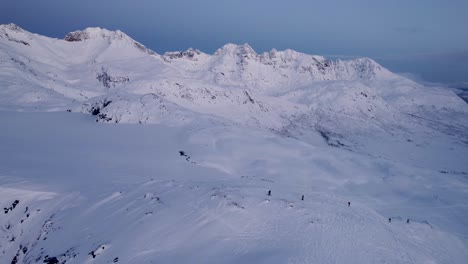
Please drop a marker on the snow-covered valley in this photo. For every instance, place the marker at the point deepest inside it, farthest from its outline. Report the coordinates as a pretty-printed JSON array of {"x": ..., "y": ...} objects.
[{"x": 187, "y": 146}]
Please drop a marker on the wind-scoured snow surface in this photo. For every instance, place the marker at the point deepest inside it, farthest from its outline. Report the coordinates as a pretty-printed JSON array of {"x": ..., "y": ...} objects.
[{"x": 221, "y": 131}]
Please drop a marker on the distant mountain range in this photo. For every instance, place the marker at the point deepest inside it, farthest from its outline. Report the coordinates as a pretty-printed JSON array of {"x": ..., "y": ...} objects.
[{"x": 117, "y": 79}]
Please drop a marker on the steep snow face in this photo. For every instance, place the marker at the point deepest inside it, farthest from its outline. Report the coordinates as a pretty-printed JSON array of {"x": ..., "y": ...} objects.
[
  {"x": 14, "y": 33},
  {"x": 55, "y": 73}
]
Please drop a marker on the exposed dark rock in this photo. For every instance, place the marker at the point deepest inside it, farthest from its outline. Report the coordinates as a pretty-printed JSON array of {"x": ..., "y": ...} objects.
[
  {"x": 190, "y": 54},
  {"x": 13, "y": 206},
  {"x": 52, "y": 260},
  {"x": 77, "y": 36},
  {"x": 108, "y": 80}
]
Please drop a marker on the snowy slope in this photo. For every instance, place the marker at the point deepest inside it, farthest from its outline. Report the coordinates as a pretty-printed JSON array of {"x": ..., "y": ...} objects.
[
  {"x": 293, "y": 123},
  {"x": 111, "y": 199}
]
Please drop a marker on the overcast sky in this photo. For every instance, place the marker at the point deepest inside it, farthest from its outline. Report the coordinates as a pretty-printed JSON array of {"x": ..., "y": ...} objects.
[{"x": 425, "y": 38}]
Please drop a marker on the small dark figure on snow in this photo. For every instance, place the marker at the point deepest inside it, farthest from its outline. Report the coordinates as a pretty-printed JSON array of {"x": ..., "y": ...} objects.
[
  {"x": 302, "y": 198},
  {"x": 349, "y": 203},
  {"x": 269, "y": 193},
  {"x": 390, "y": 220},
  {"x": 407, "y": 221}
]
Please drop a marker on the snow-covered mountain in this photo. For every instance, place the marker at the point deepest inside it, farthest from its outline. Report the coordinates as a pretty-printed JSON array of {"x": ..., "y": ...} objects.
[
  {"x": 272, "y": 90},
  {"x": 331, "y": 129}
]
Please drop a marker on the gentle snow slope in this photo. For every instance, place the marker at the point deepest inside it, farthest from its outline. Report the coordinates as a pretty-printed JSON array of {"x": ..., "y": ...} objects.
[{"x": 124, "y": 194}]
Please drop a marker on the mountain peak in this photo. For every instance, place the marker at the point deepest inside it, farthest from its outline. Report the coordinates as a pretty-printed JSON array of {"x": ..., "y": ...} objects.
[
  {"x": 244, "y": 50},
  {"x": 15, "y": 34},
  {"x": 11, "y": 27},
  {"x": 95, "y": 33},
  {"x": 247, "y": 48}
]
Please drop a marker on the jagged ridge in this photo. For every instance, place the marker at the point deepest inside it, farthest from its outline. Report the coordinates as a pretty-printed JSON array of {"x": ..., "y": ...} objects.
[{"x": 278, "y": 90}]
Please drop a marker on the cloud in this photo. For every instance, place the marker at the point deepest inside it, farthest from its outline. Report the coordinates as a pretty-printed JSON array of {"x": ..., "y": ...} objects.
[
  {"x": 442, "y": 57},
  {"x": 412, "y": 76},
  {"x": 450, "y": 68},
  {"x": 420, "y": 79},
  {"x": 460, "y": 56}
]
